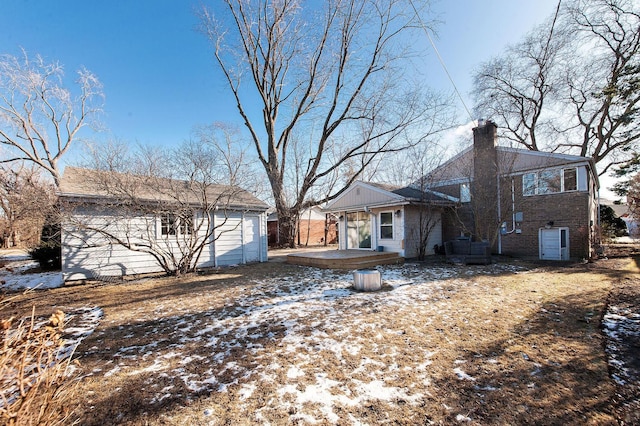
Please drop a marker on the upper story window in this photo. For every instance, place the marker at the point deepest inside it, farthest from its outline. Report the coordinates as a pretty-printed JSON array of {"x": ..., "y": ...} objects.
[
  {"x": 570, "y": 180},
  {"x": 465, "y": 193},
  {"x": 550, "y": 181},
  {"x": 386, "y": 225},
  {"x": 172, "y": 224}
]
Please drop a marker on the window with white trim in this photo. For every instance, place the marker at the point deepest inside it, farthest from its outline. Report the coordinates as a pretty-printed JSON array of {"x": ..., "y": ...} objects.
[
  {"x": 465, "y": 193},
  {"x": 550, "y": 181},
  {"x": 172, "y": 224},
  {"x": 570, "y": 180},
  {"x": 386, "y": 225}
]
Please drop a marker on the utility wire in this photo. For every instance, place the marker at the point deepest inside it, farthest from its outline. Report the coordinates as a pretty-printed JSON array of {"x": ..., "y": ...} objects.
[{"x": 426, "y": 31}]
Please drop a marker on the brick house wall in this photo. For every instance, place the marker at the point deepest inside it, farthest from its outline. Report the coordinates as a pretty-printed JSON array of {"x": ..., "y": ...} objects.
[
  {"x": 310, "y": 232},
  {"x": 481, "y": 219},
  {"x": 484, "y": 187},
  {"x": 564, "y": 209}
]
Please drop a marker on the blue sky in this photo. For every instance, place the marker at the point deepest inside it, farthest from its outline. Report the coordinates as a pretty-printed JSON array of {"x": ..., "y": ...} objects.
[{"x": 158, "y": 72}]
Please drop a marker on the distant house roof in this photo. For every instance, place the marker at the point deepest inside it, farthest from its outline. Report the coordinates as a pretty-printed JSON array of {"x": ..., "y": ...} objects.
[
  {"x": 620, "y": 209},
  {"x": 90, "y": 184}
]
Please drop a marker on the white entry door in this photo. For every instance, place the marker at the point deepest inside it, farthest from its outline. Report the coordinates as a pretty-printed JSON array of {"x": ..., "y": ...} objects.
[{"x": 554, "y": 243}]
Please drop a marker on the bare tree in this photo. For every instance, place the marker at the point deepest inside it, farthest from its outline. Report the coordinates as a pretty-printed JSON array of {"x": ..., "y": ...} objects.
[
  {"x": 39, "y": 118},
  {"x": 331, "y": 75},
  {"x": 575, "y": 80},
  {"x": 26, "y": 200},
  {"x": 417, "y": 165},
  {"x": 605, "y": 94},
  {"x": 138, "y": 190},
  {"x": 234, "y": 164},
  {"x": 515, "y": 88}
]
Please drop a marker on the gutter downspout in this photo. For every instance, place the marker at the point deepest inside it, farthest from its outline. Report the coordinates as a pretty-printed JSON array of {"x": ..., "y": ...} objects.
[{"x": 513, "y": 210}]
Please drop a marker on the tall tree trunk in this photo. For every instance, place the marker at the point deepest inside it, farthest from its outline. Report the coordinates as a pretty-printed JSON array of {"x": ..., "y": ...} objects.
[{"x": 287, "y": 221}]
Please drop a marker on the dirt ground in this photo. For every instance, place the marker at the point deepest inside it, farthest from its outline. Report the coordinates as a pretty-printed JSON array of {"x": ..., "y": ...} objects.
[{"x": 513, "y": 343}]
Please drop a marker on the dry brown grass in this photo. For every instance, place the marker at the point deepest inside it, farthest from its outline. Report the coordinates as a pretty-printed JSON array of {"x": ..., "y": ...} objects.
[
  {"x": 476, "y": 348},
  {"x": 36, "y": 384}
]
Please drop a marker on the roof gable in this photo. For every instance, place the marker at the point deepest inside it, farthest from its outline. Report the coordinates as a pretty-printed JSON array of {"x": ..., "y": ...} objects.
[{"x": 362, "y": 194}]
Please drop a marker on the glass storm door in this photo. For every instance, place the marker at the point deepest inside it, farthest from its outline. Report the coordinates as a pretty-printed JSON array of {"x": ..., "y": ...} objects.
[{"x": 358, "y": 230}]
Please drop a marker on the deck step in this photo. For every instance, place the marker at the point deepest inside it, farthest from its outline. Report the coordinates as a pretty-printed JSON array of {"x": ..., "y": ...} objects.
[{"x": 345, "y": 259}]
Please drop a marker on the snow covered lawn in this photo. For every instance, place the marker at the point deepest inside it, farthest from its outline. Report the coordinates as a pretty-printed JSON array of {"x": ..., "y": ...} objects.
[{"x": 280, "y": 344}]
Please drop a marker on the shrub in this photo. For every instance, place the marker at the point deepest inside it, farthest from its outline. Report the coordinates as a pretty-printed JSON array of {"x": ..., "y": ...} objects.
[
  {"x": 48, "y": 255},
  {"x": 612, "y": 225}
]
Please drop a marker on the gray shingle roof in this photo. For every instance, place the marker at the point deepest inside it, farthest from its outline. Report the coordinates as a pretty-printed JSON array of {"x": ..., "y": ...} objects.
[
  {"x": 90, "y": 184},
  {"x": 413, "y": 194}
]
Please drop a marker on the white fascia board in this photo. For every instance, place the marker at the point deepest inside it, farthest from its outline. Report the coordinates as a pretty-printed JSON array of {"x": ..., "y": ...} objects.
[{"x": 568, "y": 157}]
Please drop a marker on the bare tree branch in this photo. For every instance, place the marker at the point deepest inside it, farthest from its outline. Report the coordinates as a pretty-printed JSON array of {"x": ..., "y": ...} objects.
[
  {"x": 328, "y": 74},
  {"x": 39, "y": 118}
]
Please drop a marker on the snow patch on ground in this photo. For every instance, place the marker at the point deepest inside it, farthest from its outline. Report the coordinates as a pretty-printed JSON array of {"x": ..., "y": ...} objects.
[
  {"x": 14, "y": 274},
  {"x": 297, "y": 317},
  {"x": 621, "y": 324},
  {"x": 302, "y": 318}
]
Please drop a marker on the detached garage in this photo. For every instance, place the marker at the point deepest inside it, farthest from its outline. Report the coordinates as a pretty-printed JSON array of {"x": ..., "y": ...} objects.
[{"x": 116, "y": 224}]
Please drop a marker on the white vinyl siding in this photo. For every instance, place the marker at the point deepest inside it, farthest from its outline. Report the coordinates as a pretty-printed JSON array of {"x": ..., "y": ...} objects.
[
  {"x": 89, "y": 255},
  {"x": 361, "y": 194}
]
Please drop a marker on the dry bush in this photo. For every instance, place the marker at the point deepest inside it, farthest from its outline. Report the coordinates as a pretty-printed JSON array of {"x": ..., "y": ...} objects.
[{"x": 35, "y": 375}]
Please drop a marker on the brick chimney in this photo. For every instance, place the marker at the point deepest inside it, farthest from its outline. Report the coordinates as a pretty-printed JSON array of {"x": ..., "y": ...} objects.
[{"x": 485, "y": 185}]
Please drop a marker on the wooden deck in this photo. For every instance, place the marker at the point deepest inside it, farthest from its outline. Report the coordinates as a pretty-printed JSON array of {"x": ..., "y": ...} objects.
[{"x": 344, "y": 259}]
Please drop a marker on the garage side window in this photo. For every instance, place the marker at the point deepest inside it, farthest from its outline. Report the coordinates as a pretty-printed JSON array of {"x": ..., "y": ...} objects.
[
  {"x": 172, "y": 224},
  {"x": 386, "y": 225},
  {"x": 168, "y": 224}
]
